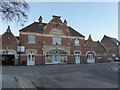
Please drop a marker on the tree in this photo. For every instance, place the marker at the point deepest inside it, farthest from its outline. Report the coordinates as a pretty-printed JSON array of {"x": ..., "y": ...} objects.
[{"x": 14, "y": 10}]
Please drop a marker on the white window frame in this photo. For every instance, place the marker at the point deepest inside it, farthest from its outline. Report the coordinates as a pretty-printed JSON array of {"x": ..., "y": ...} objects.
[
  {"x": 77, "y": 42},
  {"x": 56, "y": 40},
  {"x": 31, "y": 38}
]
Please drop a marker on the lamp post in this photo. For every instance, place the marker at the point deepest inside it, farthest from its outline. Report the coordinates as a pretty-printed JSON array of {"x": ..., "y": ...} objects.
[
  {"x": 42, "y": 55},
  {"x": 20, "y": 49},
  {"x": 118, "y": 49}
]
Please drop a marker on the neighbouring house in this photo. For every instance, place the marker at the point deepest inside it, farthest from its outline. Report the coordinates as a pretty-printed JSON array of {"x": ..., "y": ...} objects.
[
  {"x": 112, "y": 46},
  {"x": 9, "y": 44},
  {"x": 52, "y": 43}
]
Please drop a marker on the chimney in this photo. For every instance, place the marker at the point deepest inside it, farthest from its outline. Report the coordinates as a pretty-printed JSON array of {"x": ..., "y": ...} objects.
[
  {"x": 40, "y": 19},
  {"x": 89, "y": 36},
  {"x": 8, "y": 29},
  {"x": 65, "y": 22}
]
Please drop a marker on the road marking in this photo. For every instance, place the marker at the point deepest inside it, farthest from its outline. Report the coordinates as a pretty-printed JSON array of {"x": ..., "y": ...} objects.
[{"x": 20, "y": 82}]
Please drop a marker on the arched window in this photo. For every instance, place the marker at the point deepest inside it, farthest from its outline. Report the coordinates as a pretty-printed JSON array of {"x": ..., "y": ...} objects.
[{"x": 55, "y": 51}]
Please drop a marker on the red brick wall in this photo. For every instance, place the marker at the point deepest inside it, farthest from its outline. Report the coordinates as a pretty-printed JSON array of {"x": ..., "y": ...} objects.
[
  {"x": 22, "y": 59},
  {"x": 9, "y": 41},
  {"x": 39, "y": 60},
  {"x": 71, "y": 59},
  {"x": 111, "y": 47},
  {"x": 83, "y": 59},
  {"x": 48, "y": 40},
  {"x": 56, "y": 23}
]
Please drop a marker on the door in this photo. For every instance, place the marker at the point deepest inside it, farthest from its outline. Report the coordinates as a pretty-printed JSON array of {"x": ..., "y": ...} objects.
[
  {"x": 90, "y": 58},
  {"x": 31, "y": 58},
  {"x": 77, "y": 57},
  {"x": 57, "y": 59}
]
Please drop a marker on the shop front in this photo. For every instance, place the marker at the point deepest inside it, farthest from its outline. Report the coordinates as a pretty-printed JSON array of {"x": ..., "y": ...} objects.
[{"x": 56, "y": 56}]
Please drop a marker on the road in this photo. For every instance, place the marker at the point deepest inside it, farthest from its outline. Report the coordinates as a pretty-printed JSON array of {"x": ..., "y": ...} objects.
[{"x": 98, "y": 75}]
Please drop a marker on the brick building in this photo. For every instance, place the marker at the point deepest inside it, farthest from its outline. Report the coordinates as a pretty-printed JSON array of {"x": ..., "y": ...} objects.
[
  {"x": 113, "y": 47},
  {"x": 53, "y": 43},
  {"x": 9, "y": 44}
]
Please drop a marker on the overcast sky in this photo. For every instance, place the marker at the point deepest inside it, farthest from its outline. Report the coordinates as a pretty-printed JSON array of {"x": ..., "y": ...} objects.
[{"x": 95, "y": 18}]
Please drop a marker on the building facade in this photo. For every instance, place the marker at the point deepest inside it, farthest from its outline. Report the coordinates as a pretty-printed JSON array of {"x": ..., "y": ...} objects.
[
  {"x": 8, "y": 47},
  {"x": 113, "y": 47},
  {"x": 54, "y": 43}
]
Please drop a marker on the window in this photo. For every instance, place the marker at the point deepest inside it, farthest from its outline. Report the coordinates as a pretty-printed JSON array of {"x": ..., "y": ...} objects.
[
  {"x": 56, "y": 40},
  {"x": 31, "y": 38},
  {"x": 77, "y": 42}
]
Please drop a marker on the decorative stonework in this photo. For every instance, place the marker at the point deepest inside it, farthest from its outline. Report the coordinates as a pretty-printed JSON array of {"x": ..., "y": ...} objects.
[
  {"x": 28, "y": 50},
  {"x": 56, "y": 31},
  {"x": 47, "y": 48}
]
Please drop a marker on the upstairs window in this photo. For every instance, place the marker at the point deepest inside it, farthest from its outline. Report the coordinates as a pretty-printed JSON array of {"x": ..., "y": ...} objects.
[
  {"x": 56, "y": 40},
  {"x": 77, "y": 42},
  {"x": 31, "y": 38}
]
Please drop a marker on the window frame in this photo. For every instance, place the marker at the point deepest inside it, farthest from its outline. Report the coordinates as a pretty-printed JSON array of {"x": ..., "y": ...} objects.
[
  {"x": 56, "y": 40},
  {"x": 77, "y": 42},
  {"x": 31, "y": 39}
]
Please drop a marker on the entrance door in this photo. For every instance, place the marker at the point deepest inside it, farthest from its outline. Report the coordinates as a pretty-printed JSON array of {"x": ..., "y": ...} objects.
[
  {"x": 57, "y": 59},
  {"x": 77, "y": 57},
  {"x": 56, "y": 56},
  {"x": 90, "y": 57},
  {"x": 31, "y": 58}
]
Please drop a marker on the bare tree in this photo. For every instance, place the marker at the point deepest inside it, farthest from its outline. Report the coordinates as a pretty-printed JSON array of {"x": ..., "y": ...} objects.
[{"x": 14, "y": 10}]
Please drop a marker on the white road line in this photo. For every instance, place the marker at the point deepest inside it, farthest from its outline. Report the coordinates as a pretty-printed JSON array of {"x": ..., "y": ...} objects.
[{"x": 20, "y": 82}]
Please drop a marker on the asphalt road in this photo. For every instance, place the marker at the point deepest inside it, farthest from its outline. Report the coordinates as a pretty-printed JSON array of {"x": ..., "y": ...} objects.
[{"x": 98, "y": 75}]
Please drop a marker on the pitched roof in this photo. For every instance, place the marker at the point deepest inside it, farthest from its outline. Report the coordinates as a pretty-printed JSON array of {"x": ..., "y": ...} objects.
[
  {"x": 9, "y": 34},
  {"x": 74, "y": 32},
  {"x": 100, "y": 47},
  {"x": 36, "y": 27},
  {"x": 114, "y": 40}
]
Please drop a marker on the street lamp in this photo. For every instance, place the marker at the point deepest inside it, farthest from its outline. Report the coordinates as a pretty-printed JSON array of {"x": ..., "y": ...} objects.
[
  {"x": 20, "y": 49},
  {"x": 42, "y": 52},
  {"x": 118, "y": 49}
]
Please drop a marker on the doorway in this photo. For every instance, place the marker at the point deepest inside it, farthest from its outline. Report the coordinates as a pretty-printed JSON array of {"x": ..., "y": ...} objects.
[
  {"x": 31, "y": 58},
  {"x": 77, "y": 57},
  {"x": 91, "y": 57}
]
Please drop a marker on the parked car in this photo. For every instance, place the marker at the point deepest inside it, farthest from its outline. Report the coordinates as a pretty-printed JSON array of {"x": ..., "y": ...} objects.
[{"x": 117, "y": 59}]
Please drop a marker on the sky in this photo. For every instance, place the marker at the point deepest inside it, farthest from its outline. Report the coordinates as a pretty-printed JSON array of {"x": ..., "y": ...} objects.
[{"x": 95, "y": 18}]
